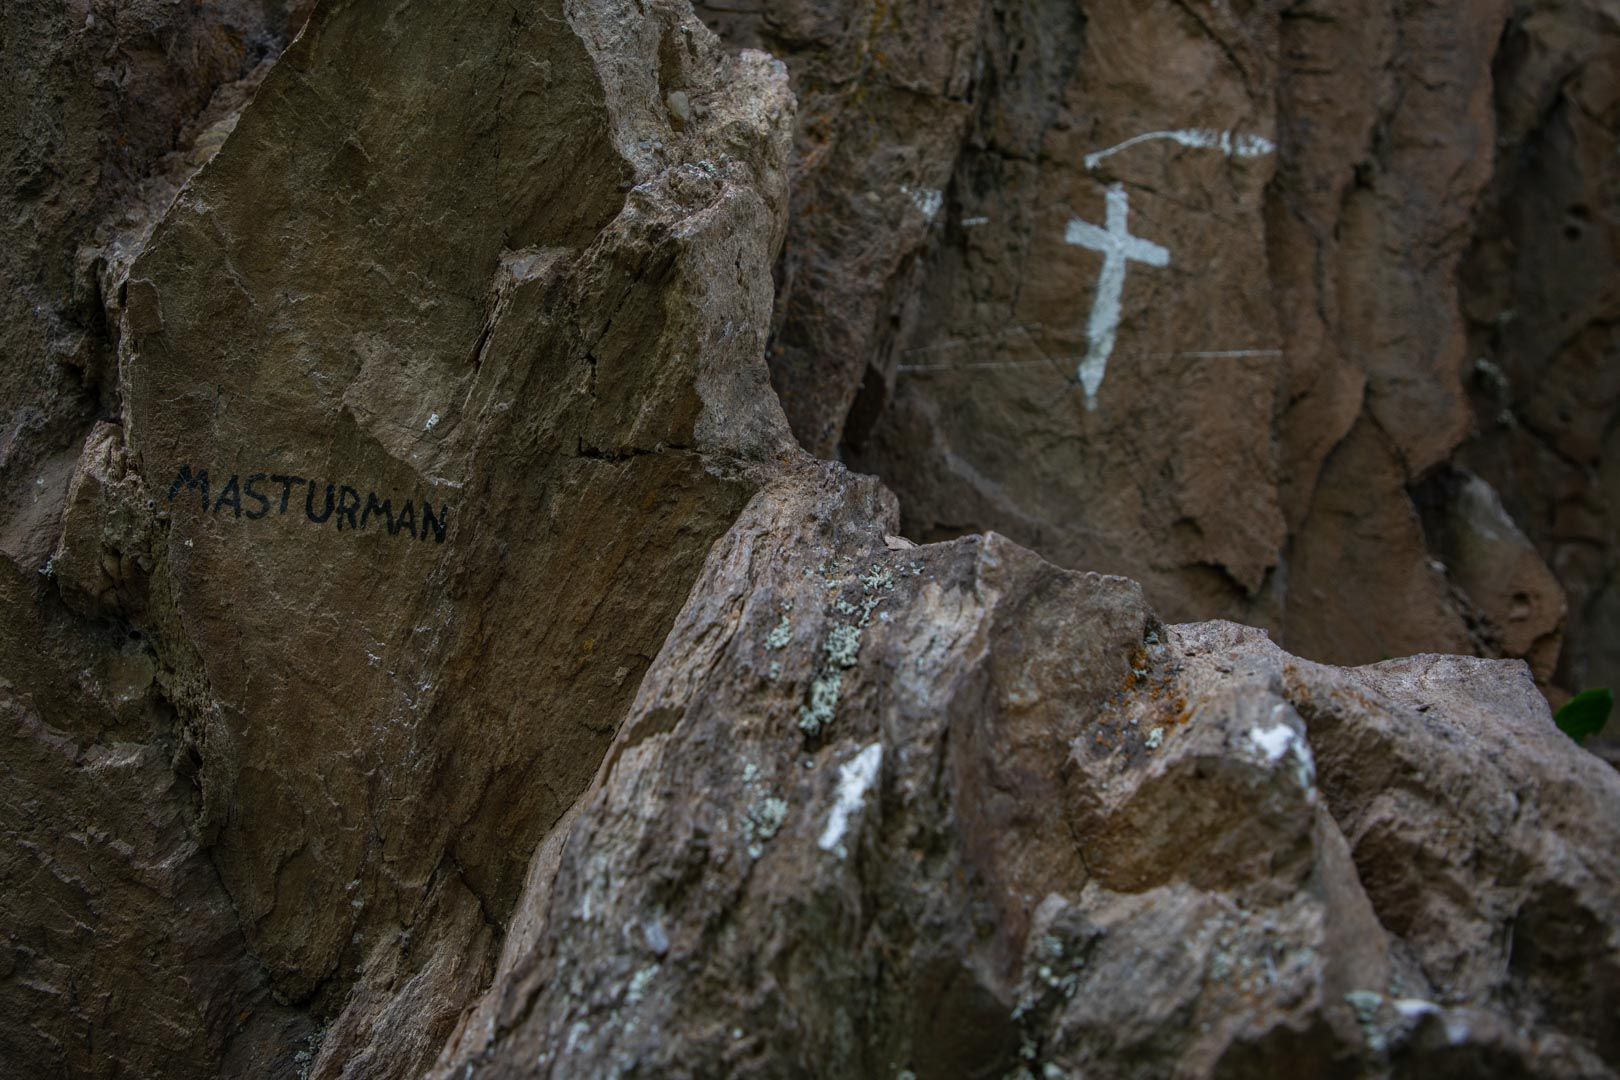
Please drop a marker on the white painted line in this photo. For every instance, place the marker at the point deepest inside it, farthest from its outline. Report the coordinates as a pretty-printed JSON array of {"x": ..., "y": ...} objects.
[
  {"x": 1229, "y": 143},
  {"x": 1001, "y": 365}
]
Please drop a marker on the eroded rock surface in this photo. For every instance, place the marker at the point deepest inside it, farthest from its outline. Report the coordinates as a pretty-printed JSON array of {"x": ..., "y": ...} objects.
[
  {"x": 1035, "y": 831},
  {"x": 1543, "y": 309},
  {"x": 1235, "y": 408},
  {"x": 388, "y": 367},
  {"x": 426, "y": 648}
]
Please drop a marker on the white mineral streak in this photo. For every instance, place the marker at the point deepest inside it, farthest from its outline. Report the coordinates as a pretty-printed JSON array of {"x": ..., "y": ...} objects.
[{"x": 855, "y": 779}]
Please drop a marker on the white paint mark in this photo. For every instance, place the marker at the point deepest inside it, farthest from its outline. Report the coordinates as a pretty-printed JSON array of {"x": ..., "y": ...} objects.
[
  {"x": 1229, "y": 143},
  {"x": 447, "y": 483},
  {"x": 928, "y": 200},
  {"x": 1281, "y": 739},
  {"x": 1118, "y": 247},
  {"x": 855, "y": 779},
  {"x": 1275, "y": 742},
  {"x": 1412, "y": 1008},
  {"x": 432, "y": 422},
  {"x": 974, "y": 222}
]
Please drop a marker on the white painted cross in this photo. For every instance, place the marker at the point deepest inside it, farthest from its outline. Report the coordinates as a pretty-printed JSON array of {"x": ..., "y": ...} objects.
[{"x": 1118, "y": 248}]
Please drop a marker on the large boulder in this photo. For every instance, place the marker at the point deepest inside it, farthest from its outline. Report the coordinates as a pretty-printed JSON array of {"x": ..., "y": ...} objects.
[{"x": 950, "y": 810}]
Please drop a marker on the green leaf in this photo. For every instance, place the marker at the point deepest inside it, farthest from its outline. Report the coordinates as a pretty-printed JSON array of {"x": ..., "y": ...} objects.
[{"x": 1585, "y": 714}]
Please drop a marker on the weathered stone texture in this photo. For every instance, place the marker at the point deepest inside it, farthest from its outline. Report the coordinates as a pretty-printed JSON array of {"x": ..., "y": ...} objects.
[
  {"x": 1302, "y": 362},
  {"x": 108, "y": 107},
  {"x": 122, "y": 954},
  {"x": 426, "y": 649},
  {"x": 1542, "y": 298},
  {"x": 403, "y": 289},
  {"x": 1042, "y": 831}
]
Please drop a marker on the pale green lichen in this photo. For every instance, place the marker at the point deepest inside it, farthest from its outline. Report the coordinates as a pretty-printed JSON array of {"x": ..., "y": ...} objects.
[
  {"x": 1366, "y": 1005},
  {"x": 764, "y": 820},
  {"x": 844, "y": 645},
  {"x": 881, "y": 577},
  {"x": 640, "y": 983},
  {"x": 768, "y": 815},
  {"x": 310, "y": 1049},
  {"x": 781, "y": 635},
  {"x": 818, "y": 712}
]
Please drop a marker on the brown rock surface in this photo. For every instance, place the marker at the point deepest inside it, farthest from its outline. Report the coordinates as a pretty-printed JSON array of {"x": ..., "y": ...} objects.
[
  {"x": 1039, "y": 833},
  {"x": 426, "y": 650},
  {"x": 1314, "y": 175},
  {"x": 108, "y": 107},
  {"x": 1542, "y": 297},
  {"x": 122, "y": 953},
  {"x": 359, "y": 509}
]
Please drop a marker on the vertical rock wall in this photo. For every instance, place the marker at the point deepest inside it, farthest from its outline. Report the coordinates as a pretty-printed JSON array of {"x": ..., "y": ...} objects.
[
  {"x": 1542, "y": 301},
  {"x": 1292, "y": 390}
]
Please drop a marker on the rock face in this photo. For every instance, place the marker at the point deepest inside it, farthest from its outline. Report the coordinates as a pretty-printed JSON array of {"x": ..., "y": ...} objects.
[
  {"x": 426, "y": 648},
  {"x": 107, "y": 109},
  {"x": 1037, "y": 832},
  {"x": 1191, "y": 294},
  {"x": 376, "y": 409},
  {"x": 1542, "y": 305}
]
